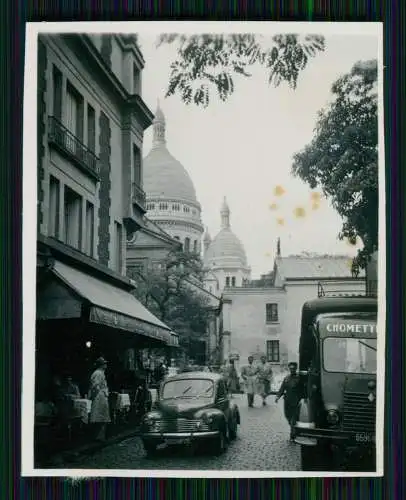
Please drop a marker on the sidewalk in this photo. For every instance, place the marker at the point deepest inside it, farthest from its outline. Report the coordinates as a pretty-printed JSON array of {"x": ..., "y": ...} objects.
[{"x": 64, "y": 457}]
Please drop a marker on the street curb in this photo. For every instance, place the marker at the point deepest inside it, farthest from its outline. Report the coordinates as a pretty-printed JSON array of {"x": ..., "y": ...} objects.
[{"x": 72, "y": 455}]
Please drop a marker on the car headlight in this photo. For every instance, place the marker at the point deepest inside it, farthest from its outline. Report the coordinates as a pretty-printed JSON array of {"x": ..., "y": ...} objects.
[
  {"x": 333, "y": 417},
  {"x": 207, "y": 419}
]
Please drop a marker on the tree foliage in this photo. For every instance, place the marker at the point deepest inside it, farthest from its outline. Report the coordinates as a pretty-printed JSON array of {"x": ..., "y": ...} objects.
[
  {"x": 342, "y": 158},
  {"x": 212, "y": 61},
  {"x": 167, "y": 290}
]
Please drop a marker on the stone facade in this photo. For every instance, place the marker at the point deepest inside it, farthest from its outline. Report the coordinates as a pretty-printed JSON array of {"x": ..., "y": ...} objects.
[
  {"x": 104, "y": 191},
  {"x": 266, "y": 319}
]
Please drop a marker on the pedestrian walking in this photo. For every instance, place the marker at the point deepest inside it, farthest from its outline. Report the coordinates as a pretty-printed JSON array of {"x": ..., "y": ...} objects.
[
  {"x": 99, "y": 395},
  {"x": 249, "y": 374},
  {"x": 264, "y": 379},
  {"x": 291, "y": 390}
]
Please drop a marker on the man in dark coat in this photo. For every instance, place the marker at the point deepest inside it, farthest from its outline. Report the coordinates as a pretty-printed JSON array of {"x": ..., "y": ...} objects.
[{"x": 291, "y": 390}]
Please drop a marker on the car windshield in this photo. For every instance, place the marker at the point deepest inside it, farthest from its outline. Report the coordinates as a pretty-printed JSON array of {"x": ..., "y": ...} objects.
[
  {"x": 188, "y": 388},
  {"x": 349, "y": 355}
]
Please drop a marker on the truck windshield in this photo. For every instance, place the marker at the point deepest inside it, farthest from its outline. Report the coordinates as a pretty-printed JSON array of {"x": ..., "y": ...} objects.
[{"x": 349, "y": 355}]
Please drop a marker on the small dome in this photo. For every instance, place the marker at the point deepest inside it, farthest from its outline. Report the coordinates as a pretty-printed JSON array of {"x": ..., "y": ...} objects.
[
  {"x": 226, "y": 248},
  {"x": 165, "y": 176}
]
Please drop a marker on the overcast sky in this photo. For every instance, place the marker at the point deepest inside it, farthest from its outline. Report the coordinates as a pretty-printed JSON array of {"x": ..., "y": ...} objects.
[{"x": 243, "y": 149}]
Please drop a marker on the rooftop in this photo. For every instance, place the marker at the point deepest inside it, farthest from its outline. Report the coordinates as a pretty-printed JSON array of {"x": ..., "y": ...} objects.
[{"x": 315, "y": 267}]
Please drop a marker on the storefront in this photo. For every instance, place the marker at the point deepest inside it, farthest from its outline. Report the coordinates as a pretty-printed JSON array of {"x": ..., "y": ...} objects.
[{"x": 80, "y": 318}]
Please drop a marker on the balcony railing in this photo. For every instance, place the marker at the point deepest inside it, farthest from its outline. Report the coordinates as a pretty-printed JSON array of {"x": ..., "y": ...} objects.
[
  {"x": 65, "y": 141},
  {"x": 138, "y": 196}
]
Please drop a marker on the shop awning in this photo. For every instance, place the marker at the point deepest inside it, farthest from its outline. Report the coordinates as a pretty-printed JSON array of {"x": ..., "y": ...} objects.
[{"x": 114, "y": 307}]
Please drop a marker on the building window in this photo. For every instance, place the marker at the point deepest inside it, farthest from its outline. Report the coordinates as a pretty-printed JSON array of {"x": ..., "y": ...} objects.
[
  {"x": 74, "y": 112},
  {"x": 137, "y": 165},
  {"x": 119, "y": 246},
  {"x": 136, "y": 80},
  {"x": 163, "y": 206},
  {"x": 271, "y": 313},
  {"x": 57, "y": 97},
  {"x": 151, "y": 206},
  {"x": 89, "y": 243},
  {"x": 233, "y": 281},
  {"x": 73, "y": 218},
  {"x": 195, "y": 246},
  {"x": 186, "y": 209},
  {"x": 228, "y": 281},
  {"x": 91, "y": 128},
  {"x": 272, "y": 351},
  {"x": 187, "y": 244},
  {"x": 53, "y": 222},
  {"x": 176, "y": 207}
]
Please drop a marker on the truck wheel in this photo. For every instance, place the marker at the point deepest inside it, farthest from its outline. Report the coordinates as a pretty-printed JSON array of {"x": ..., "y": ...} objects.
[{"x": 313, "y": 458}]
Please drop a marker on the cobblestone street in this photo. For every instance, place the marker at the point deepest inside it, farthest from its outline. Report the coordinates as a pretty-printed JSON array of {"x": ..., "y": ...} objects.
[{"x": 262, "y": 444}]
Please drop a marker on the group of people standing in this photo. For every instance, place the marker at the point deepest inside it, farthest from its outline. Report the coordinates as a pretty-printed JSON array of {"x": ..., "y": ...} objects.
[{"x": 258, "y": 379}]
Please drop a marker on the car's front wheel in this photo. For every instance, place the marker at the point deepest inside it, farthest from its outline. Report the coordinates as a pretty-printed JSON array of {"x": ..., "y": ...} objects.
[
  {"x": 220, "y": 444},
  {"x": 232, "y": 428}
]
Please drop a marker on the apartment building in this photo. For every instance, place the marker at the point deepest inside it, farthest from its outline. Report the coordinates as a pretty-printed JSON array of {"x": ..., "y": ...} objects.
[{"x": 90, "y": 124}]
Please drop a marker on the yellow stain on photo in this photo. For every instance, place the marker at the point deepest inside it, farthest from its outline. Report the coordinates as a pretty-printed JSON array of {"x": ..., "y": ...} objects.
[
  {"x": 315, "y": 196},
  {"x": 267, "y": 254},
  {"x": 280, "y": 222},
  {"x": 299, "y": 212},
  {"x": 349, "y": 264},
  {"x": 273, "y": 206},
  {"x": 315, "y": 206},
  {"x": 279, "y": 191}
]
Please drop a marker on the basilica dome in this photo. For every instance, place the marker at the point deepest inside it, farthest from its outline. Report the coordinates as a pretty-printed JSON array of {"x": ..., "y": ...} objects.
[
  {"x": 164, "y": 176},
  {"x": 226, "y": 249},
  {"x": 170, "y": 194}
]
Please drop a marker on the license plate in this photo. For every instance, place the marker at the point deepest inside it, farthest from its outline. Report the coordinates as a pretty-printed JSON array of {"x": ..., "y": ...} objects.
[
  {"x": 176, "y": 440},
  {"x": 364, "y": 437}
]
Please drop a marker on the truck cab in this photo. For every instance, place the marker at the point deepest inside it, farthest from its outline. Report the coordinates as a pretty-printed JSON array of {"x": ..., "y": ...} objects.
[{"x": 338, "y": 365}]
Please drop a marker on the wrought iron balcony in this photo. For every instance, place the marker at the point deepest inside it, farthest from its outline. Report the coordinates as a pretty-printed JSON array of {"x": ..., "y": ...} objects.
[
  {"x": 67, "y": 143},
  {"x": 138, "y": 196}
]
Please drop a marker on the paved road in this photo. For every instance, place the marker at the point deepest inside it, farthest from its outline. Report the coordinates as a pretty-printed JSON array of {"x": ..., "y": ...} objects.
[{"x": 262, "y": 444}]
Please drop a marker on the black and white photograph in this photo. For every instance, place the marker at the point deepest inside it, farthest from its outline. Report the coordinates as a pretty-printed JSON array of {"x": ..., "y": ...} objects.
[{"x": 204, "y": 249}]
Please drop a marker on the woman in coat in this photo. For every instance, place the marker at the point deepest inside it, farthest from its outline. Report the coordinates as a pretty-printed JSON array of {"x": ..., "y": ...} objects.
[{"x": 99, "y": 395}]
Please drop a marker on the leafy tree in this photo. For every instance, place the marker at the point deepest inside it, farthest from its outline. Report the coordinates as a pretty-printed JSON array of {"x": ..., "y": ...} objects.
[
  {"x": 342, "y": 158},
  {"x": 167, "y": 291},
  {"x": 211, "y": 61}
]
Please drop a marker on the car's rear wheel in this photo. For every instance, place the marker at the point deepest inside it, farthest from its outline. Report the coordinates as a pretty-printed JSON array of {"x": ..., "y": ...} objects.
[{"x": 150, "y": 448}]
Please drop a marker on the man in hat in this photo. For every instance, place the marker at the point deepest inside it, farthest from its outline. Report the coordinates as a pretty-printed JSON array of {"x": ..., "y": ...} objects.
[
  {"x": 291, "y": 390},
  {"x": 99, "y": 395},
  {"x": 249, "y": 374},
  {"x": 264, "y": 379}
]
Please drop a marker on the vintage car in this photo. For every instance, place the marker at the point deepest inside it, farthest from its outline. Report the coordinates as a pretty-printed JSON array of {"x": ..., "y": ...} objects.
[{"x": 192, "y": 408}]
